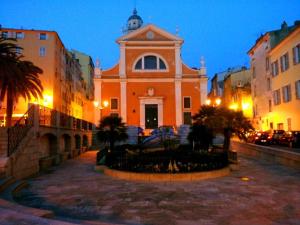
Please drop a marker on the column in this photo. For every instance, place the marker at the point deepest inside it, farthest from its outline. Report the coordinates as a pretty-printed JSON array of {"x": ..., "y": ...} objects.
[
  {"x": 122, "y": 65},
  {"x": 203, "y": 90},
  {"x": 178, "y": 102},
  {"x": 178, "y": 64},
  {"x": 98, "y": 87},
  {"x": 123, "y": 97}
]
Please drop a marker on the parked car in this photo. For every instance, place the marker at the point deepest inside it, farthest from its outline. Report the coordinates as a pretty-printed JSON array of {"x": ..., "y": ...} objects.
[
  {"x": 291, "y": 139},
  {"x": 263, "y": 138},
  {"x": 276, "y": 136}
]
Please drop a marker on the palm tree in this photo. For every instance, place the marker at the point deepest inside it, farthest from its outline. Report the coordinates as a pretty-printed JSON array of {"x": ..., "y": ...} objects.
[
  {"x": 111, "y": 130},
  {"x": 18, "y": 78},
  {"x": 223, "y": 120}
]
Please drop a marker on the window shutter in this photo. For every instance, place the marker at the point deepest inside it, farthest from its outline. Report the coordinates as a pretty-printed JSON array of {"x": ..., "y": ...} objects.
[{"x": 281, "y": 64}]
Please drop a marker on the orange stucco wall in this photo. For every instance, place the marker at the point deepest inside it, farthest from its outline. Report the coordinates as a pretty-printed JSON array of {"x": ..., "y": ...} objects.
[
  {"x": 191, "y": 89},
  {"x": 110, "y": 90},
  {"x": 136, "y": 90}
]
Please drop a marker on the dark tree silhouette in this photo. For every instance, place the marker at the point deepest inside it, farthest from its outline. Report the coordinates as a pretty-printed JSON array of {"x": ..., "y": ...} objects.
[
  {"x": 223, "y": 120},
  {"x": 18, "y": 78},
  {"x": 112, "y": 129}
]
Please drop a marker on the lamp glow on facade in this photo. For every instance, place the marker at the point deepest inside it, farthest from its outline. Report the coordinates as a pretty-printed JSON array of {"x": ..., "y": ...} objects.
[
  {"x": 218, "y": 101},
  {"x": 233, "y": 106},
  {"x": 208, "y": 102}
]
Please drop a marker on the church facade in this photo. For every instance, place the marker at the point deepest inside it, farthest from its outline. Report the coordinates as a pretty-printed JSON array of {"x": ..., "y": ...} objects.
[{"x": 150, "y": 86}]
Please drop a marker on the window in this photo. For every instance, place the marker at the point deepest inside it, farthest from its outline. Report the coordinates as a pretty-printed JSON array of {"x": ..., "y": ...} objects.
[
  {"x": 280, "y": 126},
  {"x": 253, "y": 72},
  {"x": 296, "y": 54},
  {"x": 42, "y": 51},
  {"x": 268, "y": 84},
  {"x": 271, "y": 125},
  {"x": 254, "y": 90},
  {"x": 297, "y": 88},
  {"x": 114, "y": 103},
  {"x": 286, "y": 93},
  {"x": 4, "y": 34},
  {"x": 277, "y": 98},
  {"x": 284, "y": 62},
  {"x": 19, "y": 50},
  {"x": 150, "y": 62},
  {"x": 20, "y": 35},
  {"x": 274, "y": 67},
  {"x": 270, "y": 105},
  {"x": 187, "y": 102},
  {"x": 43, "y": 36},
  {"x": 187, "y": 118},
  {"x": 267, "y": 63}
]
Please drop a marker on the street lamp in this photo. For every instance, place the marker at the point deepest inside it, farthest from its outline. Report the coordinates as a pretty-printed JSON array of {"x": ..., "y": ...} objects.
[{"x": 101, "y": 106}]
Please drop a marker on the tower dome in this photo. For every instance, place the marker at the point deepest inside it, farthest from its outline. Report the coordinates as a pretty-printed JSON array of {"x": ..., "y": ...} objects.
[{"x": 134, "y": 21}]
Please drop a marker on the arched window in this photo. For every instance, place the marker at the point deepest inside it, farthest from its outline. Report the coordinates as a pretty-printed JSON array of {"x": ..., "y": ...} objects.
[{"x": 150, "y": 62}]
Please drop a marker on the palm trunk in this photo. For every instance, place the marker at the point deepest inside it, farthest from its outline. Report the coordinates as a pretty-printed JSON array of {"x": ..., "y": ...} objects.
[
  {"x": 227, "y": 136},
  {"x": 9, "y": 108}
]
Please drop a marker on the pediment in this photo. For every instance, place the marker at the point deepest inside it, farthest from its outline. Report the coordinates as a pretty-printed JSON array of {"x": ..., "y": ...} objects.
[{"x": 149, "y": 33}]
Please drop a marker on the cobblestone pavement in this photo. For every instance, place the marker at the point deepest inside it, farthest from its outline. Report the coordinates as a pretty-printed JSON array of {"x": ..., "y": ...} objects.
[{"x": 74, "y": 190}]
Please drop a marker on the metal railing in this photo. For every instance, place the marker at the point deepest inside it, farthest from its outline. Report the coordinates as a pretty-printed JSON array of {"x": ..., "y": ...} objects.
[{"x": 19, "y": 130}]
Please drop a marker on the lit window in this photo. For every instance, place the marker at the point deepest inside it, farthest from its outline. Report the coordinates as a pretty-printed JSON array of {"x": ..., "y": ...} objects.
[
  {"x": 274, "y": 67},
  {"x": 114, "y": 103},
  {"x": 20, "y": 35},
  {"x": 43, "y": 36},
  {"x": 286, "y": 93},
  {"x": 187, "y": 118},
  {"x": 150, "y": 62},
  {"x": 187, "y": 102},
  {"x": 296, "y": 54},
  {"x": 284, "y": 62},
  {"x": 42, "y": 51},
  {"x": 277, "y": 98},
  {"x": 297, "y": 88}
]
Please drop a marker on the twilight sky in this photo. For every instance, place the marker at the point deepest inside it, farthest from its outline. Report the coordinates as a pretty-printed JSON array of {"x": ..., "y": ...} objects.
[{"x": 220, "y": 30}]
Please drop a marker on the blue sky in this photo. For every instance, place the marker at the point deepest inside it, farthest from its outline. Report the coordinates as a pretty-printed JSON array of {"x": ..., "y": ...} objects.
[{"x": 220, "y": 30}]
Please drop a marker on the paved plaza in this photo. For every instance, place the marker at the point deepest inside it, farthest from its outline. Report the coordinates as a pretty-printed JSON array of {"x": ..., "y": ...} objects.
[{"x": 76, "y": 193}]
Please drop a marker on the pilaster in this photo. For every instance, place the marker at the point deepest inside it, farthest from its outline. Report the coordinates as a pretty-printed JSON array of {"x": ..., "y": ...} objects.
[
  {"x": 178, "y": 102},
  {"x": 123, "y": 97}
]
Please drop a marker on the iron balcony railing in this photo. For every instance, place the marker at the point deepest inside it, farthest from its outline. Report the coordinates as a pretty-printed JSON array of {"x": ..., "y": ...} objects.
[{"x": 19, "y": 130}]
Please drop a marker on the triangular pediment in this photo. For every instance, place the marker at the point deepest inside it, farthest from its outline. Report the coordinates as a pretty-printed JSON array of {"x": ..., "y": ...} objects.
[{"x": 149, "y": 33}]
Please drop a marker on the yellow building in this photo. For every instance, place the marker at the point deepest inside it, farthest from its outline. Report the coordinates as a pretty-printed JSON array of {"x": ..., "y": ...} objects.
[
  {"x": 237, "y": 91},
  {"x": 276, "y": 79},
  {"x": 61, "y": 78},
  {"x": 150, "y": 86}
]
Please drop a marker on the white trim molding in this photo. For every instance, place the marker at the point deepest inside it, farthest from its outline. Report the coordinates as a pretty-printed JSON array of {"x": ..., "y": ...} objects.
[
  {"x": 123, "y": 103},
  {"x": 151, "y": 100},
  {"x": 142, "y": 56},
  {"x": 178, "y": 102},
  {"x": 122, "y": 65}
]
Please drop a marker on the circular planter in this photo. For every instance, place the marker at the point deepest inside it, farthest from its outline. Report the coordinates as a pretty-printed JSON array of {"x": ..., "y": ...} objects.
[{"x": 163, "y": 177}]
